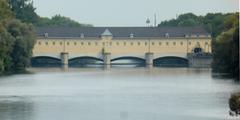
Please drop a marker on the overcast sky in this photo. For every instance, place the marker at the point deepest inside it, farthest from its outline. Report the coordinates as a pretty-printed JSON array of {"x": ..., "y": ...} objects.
[{"x": 129, "y": 12}]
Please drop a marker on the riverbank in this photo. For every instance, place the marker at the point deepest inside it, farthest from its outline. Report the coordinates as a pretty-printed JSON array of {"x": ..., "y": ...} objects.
[{"x": 16, "y": 73}]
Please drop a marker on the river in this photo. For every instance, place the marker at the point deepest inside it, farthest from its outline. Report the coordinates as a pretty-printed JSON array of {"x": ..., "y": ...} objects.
[{"x": 115, "y": 94}]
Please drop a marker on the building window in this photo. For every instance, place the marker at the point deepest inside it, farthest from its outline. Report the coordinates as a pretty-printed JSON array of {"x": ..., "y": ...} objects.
[
  {"x": 75, "y": 43},
  {"x": 117, "y": 43},
  {"x": 152, "y": 43},
  {"x": 166, "y": 43},
  {"x": 46, "y": 43},
  {"x": 189, "y": 43},
  {"x": 103, "y": 43},
  {"x": 174, "y": 43},
  {"x": 138, "y": 43},
  {"x": 39, "y": 43},
  {"x": 89, "y": 43},
  {"x": 60, "y": 43},
  {"x": 198, "y": 43},
  {"x": 206, "y": 43},
  {"x": 68, "y": 43},
  {"x": 160, "y": 43},
  {"x": 53, "y": 43},
  {"x": 146, "y": 43},
  {"x": 131, "y": 43},
  {"x": 82, "y": 43},
  {"x": 124, "y": 43},
  {"x": 181, "y": 43},
  {"x": 96, "y": 43}
]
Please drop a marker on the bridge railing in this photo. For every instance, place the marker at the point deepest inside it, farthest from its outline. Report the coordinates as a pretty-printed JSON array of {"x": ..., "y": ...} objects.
[{"x": 200, "y": 55}]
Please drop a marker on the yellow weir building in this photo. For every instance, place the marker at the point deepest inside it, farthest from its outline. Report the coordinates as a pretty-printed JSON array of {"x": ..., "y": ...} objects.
[{"x": 107, "y": 44}]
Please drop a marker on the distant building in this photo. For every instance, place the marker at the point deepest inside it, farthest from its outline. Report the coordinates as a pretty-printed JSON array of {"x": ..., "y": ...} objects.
[{"x": 121, "y": 41}]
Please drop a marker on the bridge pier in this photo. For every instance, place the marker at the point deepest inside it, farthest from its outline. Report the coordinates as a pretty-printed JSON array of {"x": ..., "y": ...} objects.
[
  {"x": 107, "y": 60},
  {"x": 199, "y": 60},
  {"x": 64, "y": 59},
  {"x": 149, "y": 59}
]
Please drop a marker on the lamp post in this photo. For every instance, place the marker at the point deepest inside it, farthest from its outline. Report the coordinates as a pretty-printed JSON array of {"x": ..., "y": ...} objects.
[
  {"x": 149, "y": 50},
  {"x": 64, "y": 46}
]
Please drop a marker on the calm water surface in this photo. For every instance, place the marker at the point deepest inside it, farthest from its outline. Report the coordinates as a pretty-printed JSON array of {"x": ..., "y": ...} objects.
[{"x": 116, "y": 94}]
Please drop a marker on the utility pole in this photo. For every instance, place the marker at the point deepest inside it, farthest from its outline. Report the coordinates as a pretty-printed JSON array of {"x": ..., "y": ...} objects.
[
  {"x": 64, "y": 49},
  {"x": 155, "y": 20},
  {"x": 149, "y": 45}
]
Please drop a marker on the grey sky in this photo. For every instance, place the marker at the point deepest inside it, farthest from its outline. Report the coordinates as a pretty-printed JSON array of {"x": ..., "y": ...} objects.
[{"x": 129, "y": 12}]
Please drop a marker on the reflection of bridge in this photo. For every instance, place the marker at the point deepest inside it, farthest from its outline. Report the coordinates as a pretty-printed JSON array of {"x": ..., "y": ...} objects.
[{"x": 109, "y": 46}]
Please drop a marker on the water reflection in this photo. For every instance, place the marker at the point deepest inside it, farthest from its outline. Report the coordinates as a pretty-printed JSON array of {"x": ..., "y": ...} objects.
[{"x": 16, "y": 108}]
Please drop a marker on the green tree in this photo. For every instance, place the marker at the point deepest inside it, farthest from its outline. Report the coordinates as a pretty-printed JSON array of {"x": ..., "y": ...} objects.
[
  {"x": 188, "y": 19},
  {"x": 234, "y": 103},
  {"x": 24, "y": 36},
  {"x": 24, "y": 10},
  {"x": 226, "y": 50},
  {"x": 6, "y": 46},
  {"x": 222, "y": 52},
  {"x": 59, "y": 21},
  {"x": 5, "y": 12},
  {"x": 6, "y": 40}
]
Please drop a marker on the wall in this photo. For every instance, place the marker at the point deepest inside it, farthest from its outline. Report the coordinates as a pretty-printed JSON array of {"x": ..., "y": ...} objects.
[{"x": 119, "y": 46}]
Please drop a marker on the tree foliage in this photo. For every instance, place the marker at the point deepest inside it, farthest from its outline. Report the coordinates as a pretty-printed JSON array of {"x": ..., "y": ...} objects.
[
  {"x": 226, "y": 50},
  {"x": 188, "y": 19},
  {"x": 24, "y": 10},
  {"x": 59, "y": 21},
  {"x": 16, "y": 41},
  {"x": 24, "y": 36},
  {"x": 6, "y": 46},
  {"x": 234, "y": 104},
  {"x": 5, "y": 12},
  {"x": 213, "y": 22}
]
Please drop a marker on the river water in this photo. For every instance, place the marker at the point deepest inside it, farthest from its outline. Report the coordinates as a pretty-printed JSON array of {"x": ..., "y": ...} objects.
[{"x": 116, "y": 94}]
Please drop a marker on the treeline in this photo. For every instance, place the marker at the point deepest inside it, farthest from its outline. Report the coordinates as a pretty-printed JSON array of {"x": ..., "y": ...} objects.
[
  {"x": 17, "y": 34},
  {"x": 224, "y": 29},
  {"x": 59, "y": 21},
  {"x": 25, "y": 11}
]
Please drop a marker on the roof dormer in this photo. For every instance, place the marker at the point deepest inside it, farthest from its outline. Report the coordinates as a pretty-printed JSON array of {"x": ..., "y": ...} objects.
[
  {"x": 46, "y": 35},
  {"x": 106, "y": 33},
  {"x": 131, "y": 35},
  {"x": 82, "y": 35},
  {"x": 166, "y": 35}
]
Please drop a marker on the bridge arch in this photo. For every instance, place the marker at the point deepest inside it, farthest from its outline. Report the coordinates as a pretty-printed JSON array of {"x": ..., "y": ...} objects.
[
  {"x": 171, "y": 61},
  {"x": 46, "y": 61},
  {"x": 84, "y": 61},
  {"x": 128, "y": 60}
]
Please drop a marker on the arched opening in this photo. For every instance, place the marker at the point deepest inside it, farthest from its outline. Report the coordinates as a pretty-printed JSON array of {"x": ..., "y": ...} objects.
[
  {"x": 128, "y": 61},
  {"x": 170, "y": 61},
  {"x": 45, "y": 61},
  {"x": 85, "y": 61},
  {"x": 198, "y": 50}
]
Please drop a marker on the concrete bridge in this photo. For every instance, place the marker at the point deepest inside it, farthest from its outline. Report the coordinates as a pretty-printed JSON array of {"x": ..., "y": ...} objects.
[{"x": 151, "y": 45}]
